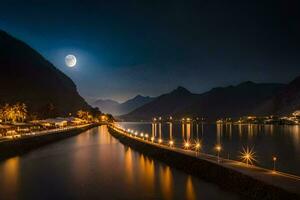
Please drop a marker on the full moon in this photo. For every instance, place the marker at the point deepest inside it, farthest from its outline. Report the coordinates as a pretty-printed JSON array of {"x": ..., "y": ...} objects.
[{"x": 70, "y": 60}]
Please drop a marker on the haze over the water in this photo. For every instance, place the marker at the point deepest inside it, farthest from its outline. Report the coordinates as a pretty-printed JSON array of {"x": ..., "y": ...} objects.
[{"x": 134, "y": 48}]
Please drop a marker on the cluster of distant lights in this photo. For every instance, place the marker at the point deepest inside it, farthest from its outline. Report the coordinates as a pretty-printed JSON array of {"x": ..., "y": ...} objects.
[
  {"x": 247, "y": 155},
  {"x": 171, "y": 118}
]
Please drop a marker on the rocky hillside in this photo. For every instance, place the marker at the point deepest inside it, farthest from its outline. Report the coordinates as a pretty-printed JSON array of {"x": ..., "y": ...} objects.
[{"x": 27, "y": 77}]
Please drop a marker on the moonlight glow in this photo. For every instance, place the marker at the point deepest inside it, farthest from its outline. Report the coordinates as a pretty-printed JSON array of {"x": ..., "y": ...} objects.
[{"x": 70, "y": 60}]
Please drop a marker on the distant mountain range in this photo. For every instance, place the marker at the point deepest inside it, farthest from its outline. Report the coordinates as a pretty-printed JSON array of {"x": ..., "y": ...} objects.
[
  {"x": 116, "y": 108},
  {"x": 247, "y": 98},
  {"x": 29, "y": 78}
]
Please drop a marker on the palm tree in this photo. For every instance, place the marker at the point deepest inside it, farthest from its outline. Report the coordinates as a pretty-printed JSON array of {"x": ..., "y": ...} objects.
[
  {"x": 20, "y": 111},
  {"x": 83, "y": 114},
  {"x": 14, "y": 113}
]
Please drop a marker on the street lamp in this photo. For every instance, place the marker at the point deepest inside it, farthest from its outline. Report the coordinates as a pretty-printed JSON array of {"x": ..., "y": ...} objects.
[
  {"x": 218, "y": 149},
  {"x": 152, "y": 139},
  {"x": 171, "y": 143},
  {"x": 274, "y": 163},
  {"x": 197, "y": 146},
  {"x": 248, "y": 155},
  {"x": 159, "y": 141},
  {"x": 186, "y": 145}
]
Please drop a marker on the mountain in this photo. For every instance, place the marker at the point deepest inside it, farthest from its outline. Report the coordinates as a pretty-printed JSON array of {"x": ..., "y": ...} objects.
[
  {"x": 107, "y": 106},
  {"x": 164, "y": 105},
  {"x": 116, "y": 108},
  {"x": 285, "y": 102},
  {"x": 231, "y": 101},
  {"x": 29, "y": 78},
  {"x": 134, "y": 103}
]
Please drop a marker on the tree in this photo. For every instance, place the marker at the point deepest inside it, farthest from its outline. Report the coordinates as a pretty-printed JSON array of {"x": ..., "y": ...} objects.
[
  {"x": 83, "y": 115},
  {"x": 14, "y": 113},
  {"x": 20, "y": 111}
]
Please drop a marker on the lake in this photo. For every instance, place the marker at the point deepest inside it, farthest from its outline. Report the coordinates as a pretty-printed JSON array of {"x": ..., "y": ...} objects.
[
  {"x": 94, "y": 165},
  {"x": 267, "y": 141}
]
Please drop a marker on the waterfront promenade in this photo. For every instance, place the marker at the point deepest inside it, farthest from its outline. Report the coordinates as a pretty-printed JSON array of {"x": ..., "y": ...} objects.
[
  {"x": 43, "y": 132},
  {"x": 20, "y": 144},
  {"x": 287, "y": 182}
]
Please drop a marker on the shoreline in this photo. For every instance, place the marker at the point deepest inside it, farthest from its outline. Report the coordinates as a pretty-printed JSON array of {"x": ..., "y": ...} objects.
[
  {"x": 19, "y": 146},
  {"x": 250, "y": 184},
  {"x": 212, "y": 122}
]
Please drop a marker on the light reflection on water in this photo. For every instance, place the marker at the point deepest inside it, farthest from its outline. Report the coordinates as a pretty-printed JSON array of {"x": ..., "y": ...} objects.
[
  {"x": 9, "y": 178},
  {"x": 94, "y": 165},
  {"x": 267, "y": 140}
]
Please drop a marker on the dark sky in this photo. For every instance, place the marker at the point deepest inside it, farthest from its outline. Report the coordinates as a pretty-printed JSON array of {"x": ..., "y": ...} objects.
[{"x": 131, "y": 47}]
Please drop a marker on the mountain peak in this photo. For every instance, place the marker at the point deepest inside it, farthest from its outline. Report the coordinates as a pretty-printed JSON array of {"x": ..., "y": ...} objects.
[
  {"x": 138, "y": 97},
  {"x": 181, "y": 90},
  {"x": 246, "y": 83}
]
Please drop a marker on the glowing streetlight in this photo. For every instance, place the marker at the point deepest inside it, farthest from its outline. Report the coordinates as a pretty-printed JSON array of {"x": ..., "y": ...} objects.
[
  {"x": 159, "y": 141},
  {"x": 248, "y": 155},
  {"x": 186, "y": 145},
  {"x": 146, "y": 136},
  {"x": 218, "y": 149},
  {"x": 197, "y": 146},
  {"x": 136, "y": 133},
  {"x": 274, "y": 163},
  {"x": 142, "y": 134},
  {"x": 171, "y": 143},
  {"x": 152, "y": 139}
]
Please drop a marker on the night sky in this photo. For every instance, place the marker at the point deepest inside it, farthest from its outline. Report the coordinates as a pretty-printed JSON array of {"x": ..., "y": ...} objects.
[{"x": 127, "y": 48}]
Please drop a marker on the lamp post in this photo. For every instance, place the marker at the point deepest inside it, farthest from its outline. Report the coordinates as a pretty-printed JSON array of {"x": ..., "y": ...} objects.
[
  {"x": 152, "y": 139},
  {"x": 159, "y": 140},
  {"x": 186, "y": 145},
  {"x": 218, "y": 149},
  {"x": 248, "y": 155},
  {"x": 274, "y": 163},
  {"x": 197, "y": 147}
]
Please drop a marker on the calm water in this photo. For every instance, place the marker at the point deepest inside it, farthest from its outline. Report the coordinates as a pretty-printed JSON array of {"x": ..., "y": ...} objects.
[
  {"x": 94, "y": 165},
  {"x": 266, "y": 140}
]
